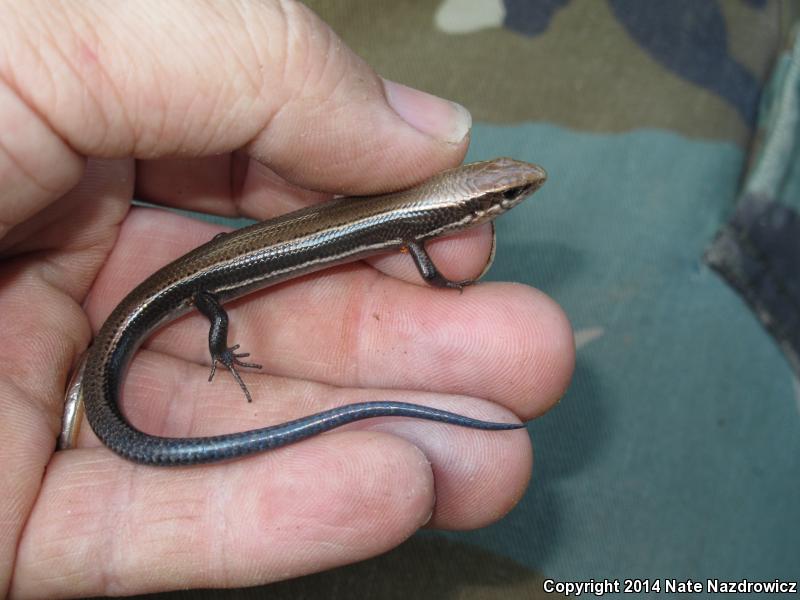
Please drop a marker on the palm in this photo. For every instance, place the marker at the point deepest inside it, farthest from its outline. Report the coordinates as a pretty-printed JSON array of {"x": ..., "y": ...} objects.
[{"x": 345, "y": 335}]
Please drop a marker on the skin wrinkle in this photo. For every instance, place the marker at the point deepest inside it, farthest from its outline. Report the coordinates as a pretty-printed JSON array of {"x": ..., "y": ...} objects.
[
  {"x": 128, "y": 58},
  {"x": 237, "y": 174},
  {"x": 441, "y": 510},
  {"x": 330, "y": 78},
  {"x": 136, "y": 415},
  {"x": 244, "y": 66},
  {"x": 67, "y": 181},
  {"x": 283, "y": 196},
  {"x": 356, "y": 316},
  {"x": 9, "y": 74},
  {"x": 191, "y": 425},
  {"x": 285, "y": 530},
  {"x": 12, "y": 389},
  {"x": 89, "y": 40},
  {"x": 102, "y": 574},
  {"x": 283, "y": 56},
  {"x": 323, "y": 96},
  {"x": 161, "y": 77},
  {"x": 23, "y": 283},
  {"x": 182, "y": 519},
  {"x": 4, "y": 229},
  {"x": 43, "y": 401},
  {"x": 344, "y": 87},
  {"x": 217, "y": 127},
  {"x": 20, "y": 167},
  {"x": 101, "y": 248},
  {"x": 241, "y": 172},
  {"x": 89, "y": 89},
  {"x": 82, "y": 245},
  {"x": 300, "y": 40},
  {"x": 139, "y": 144},
  {"x": 49, "y": 272},
  {"x": 273, "y": 109},
  {"x": 375, "y": 292},
  {"x": 57, "y": 240},
  {"x": 40, "y": 225},
  {"x": 208, "y": 101},
  {"x": 228, "y": 545},
  {"x": 155, "y": 86},
  {"x": 125, "y": 492},
  {"x": 205, "y": 149}
]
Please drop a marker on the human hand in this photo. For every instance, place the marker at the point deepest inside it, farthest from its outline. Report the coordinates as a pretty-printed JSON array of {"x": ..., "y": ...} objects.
[{"x": 260, "y": 103}]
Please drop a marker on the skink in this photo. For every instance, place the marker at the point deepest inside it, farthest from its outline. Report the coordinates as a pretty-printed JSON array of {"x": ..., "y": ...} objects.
[{"x": 310, "y": 239}]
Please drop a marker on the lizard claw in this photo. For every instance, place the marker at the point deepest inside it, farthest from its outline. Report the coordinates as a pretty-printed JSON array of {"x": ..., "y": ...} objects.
[{"x": 230, "y": 361}]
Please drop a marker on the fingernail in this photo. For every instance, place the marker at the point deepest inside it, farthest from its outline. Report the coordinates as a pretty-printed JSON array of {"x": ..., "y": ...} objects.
[{"x": 434, "y": 116}]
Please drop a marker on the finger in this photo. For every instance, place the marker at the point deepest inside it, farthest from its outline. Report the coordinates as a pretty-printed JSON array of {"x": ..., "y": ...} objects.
[
  {"x": 503, "y": 342},
  {"x": 103, "y": 526},
  {"x": 43, "y": 277},
  {"x": 36, "y": 165},
  {"x": 212, "y": 78},
  {"x": 229, "y": 185},
  {"x": 76, "y": 232},
  {"x": 479, "y": 474},
  {"x": 506, "y": 343}
]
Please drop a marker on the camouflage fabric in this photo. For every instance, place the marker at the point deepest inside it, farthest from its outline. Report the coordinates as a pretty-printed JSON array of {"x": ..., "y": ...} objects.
[
  {"x": 757, "y": 250},
  {"x": 676, "y": 452}
]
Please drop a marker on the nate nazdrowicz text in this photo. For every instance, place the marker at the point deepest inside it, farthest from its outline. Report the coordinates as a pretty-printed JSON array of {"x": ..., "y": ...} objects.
[{"x": 598, "y": 588}]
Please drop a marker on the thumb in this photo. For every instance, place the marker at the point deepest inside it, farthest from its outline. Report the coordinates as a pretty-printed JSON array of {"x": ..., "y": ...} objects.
[{"x": 156, "y": 79}]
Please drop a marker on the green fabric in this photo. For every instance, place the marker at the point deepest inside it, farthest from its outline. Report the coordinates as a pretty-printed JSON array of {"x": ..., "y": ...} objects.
[{"x": 776, "y": 170}]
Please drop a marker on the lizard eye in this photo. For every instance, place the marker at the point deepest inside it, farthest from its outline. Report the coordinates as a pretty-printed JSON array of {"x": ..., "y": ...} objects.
[{"x": 515, "y": 193}]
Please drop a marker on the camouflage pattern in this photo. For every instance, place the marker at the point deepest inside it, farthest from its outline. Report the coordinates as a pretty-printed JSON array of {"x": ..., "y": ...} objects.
[
  {"x": 588, "y": 65},
  {"x": 757, "y": 250}
]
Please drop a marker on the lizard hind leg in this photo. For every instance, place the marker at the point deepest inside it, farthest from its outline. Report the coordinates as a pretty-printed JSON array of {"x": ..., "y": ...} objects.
[{"x": 209, "y": 305}]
